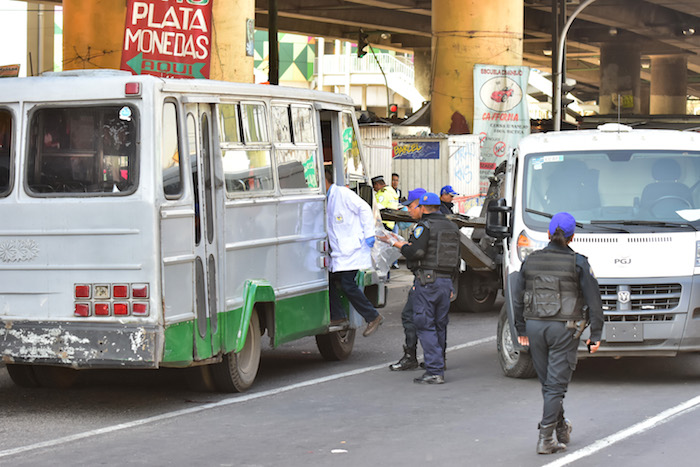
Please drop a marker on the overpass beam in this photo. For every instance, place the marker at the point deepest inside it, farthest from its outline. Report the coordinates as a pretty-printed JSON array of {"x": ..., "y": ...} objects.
[
  {"x": 620, "y": 85},
  {"x": 93, "y": 34},
  {"x": 669, "y": 84},
  {"x": 465, "y": 33}
]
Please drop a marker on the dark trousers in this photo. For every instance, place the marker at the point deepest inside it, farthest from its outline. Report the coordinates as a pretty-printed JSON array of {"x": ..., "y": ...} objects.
[
  {"x": 431, "y": 303},
  {"x": 409, "y": 328},
  {"x": 345, "y": 281},
  {"x": 553, "y": 352}
]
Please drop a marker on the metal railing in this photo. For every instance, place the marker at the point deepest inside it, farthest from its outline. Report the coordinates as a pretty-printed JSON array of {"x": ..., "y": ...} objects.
[{"x": 398, "y": 67}]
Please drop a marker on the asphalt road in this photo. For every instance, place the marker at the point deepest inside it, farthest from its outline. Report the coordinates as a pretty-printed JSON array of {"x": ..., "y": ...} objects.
[{"x": 304, "y": 411}]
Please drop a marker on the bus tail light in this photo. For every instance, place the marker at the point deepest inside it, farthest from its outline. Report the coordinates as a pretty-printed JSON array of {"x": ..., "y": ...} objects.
[
  {"x": 140, "y": 309},
  {"x": 132, "y": 89},
  {"x": 121, "y": 309},
  {"x": 139, "y": 290},
  {"x": 82, "y": 309},
  {"x": 82, "y": 291},
  {"x": 120, "y": 291},
  {"x": 101, "y": 309}
]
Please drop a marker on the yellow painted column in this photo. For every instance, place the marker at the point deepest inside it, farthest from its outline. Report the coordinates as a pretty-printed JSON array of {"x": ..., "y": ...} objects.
[
  {"x": 93, "y": 35},
  {"x": 466, "y": 33}
]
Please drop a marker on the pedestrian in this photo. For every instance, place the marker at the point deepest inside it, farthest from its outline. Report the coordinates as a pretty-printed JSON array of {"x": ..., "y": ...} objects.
[
  {"x": 395, "y": 186},
  {"x": 351, "y": 237},
  {"x": 551, "y": 293},
  {"x": 409, "y": 360},
  {"x": 446, "y": 196},
  {"x": 386, "y": 198},
  {"x": 433, "y": 253}
]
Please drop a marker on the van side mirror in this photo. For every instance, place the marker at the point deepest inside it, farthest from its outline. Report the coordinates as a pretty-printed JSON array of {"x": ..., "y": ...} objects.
[{"x": 497, "y": 219}]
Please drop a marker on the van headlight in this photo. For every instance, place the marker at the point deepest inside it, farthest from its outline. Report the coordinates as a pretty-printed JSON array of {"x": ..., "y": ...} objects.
[{"x": 527, "y": 245}]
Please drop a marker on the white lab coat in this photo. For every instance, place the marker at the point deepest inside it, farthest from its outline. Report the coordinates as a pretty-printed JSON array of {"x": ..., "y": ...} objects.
[{"x": 350, "y": 221}]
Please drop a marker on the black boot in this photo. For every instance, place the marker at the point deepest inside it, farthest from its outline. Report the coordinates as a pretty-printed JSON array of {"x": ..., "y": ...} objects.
[
  {"x": 546, "y": 443},
  {"x": 563, "y": 431},
  {"x": 407, "y": 362}
]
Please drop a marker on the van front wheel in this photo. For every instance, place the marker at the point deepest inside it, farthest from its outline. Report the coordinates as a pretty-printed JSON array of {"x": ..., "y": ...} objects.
[
  {"x": 236, "y": 371},
  {"x": 514, "y": 363}
]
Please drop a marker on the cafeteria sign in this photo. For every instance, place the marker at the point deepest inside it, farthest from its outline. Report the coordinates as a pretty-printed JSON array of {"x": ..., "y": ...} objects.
[{"x": 168, "y": 38}]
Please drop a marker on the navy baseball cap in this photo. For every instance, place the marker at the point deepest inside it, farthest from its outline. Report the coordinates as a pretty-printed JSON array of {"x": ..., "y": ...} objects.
[
  {"x": 565, "y": 222},
  {"x": 413, "y": 195},
  {"x": 430, "y": 199},
  {"x": 447, "y": 190}
]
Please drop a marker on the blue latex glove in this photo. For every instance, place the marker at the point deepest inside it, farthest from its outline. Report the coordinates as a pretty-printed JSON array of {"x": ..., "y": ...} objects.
[{"x": 370, "y": 241}]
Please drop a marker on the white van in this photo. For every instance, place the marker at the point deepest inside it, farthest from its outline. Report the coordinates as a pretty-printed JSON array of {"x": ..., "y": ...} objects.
[
  {"x": 149, "y": 222},
  {"x": 635, "y": 195}
]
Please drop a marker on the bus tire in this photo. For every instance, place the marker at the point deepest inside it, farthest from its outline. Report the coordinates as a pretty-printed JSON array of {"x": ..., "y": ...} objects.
[
  {"x": 514, "y": 363},
  {"x": 55, "y": 376},
  {"x": 336, "y": 346},
  {"x": 236, "y": 372},
  {"x": 475, "y": 293},
  {"x": 23, "y": 375}
]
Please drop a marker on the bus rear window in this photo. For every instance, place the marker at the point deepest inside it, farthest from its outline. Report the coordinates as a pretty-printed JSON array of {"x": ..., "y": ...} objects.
[
  {"x": 83, "y": 150},
  {"x": 5, "y": 150}
]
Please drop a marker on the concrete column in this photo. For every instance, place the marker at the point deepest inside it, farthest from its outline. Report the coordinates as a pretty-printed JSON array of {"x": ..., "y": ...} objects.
[
  {"x": 93, "y": 35},
  {"x": 40, "y": 32},
  {"x": 320, "y": 54},
  {"x": 669, "y": 83},
  {"x": 465, "y": 33},
  {"x": 422, "y": 71},
  {"x": 620, "y": 69},
  {"x": 644, "y": 88}
]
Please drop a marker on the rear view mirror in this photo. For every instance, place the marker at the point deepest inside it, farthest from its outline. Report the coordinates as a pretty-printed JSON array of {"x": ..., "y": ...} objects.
[{"x": 497, "y": 219}]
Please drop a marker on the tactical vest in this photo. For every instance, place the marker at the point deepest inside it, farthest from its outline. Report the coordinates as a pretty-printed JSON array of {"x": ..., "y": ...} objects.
[
  {"x": 552, "y": 289},
  {"x": 442, "y": 255}
]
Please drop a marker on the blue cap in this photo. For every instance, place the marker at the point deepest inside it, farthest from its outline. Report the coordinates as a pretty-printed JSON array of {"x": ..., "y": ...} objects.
[
  {"x": 447, "y": 190},
  {"x": 430, "y": 199},
  {"x": 413, "y": 195},
  {"x": 565, "y": 222}
]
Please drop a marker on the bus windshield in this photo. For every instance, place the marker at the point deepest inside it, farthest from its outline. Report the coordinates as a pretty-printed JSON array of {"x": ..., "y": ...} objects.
[
  {"x": 82, "y": 150},
  {"x": 632, "y": 191}
]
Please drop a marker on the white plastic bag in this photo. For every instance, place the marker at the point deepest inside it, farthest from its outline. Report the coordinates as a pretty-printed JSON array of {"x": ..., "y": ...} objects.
[{"x": 383, "y": 253}]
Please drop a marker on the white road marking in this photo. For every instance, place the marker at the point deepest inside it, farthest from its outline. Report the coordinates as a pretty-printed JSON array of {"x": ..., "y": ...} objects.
[
  {"x": 635, "y": 429},
  {"x": 213, "y": 405}
]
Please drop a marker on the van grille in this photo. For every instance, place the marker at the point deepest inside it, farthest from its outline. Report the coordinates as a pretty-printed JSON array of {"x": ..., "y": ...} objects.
[{"x": 641, "y": 297}]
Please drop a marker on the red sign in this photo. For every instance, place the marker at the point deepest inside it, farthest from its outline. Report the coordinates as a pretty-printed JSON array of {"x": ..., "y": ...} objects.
[{"x": 168, "y": 38}]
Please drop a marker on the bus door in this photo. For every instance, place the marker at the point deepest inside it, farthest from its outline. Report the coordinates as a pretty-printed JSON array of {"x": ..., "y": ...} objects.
[{"x": 208, "y": 201}]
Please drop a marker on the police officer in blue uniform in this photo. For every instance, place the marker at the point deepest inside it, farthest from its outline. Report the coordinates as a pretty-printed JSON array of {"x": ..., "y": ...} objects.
[
  {"x": 432, "y": 254},
  {"x": 410, "y": 348},
  {"x": 553, "y": 289}
]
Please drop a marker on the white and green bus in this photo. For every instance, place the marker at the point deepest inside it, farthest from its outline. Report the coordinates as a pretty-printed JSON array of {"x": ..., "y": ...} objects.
[{"x": 151, "y": 223}]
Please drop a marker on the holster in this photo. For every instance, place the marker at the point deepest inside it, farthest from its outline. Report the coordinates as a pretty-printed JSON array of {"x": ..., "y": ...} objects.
[
  {"x": 425, "y": 276},
  {"x": 579, "y": 325}
]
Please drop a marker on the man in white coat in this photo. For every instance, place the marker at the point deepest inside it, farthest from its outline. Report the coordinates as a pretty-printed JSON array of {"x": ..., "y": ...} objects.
[{"x": 351, "y": 237}]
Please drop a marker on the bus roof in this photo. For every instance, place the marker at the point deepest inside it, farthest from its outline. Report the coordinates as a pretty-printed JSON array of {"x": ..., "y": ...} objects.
[{"x": 109, "y": 84}]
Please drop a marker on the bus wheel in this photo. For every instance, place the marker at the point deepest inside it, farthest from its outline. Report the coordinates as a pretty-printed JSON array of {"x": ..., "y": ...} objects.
[
  {"x": 475, "y": 293},
  {"x": 236, "y": 371},
  {"x": 55, "y": 376},
  {"x": 514, "y": 363},
  {"x": 23, "y": 375},
  {"x": 336, "y": 346}
]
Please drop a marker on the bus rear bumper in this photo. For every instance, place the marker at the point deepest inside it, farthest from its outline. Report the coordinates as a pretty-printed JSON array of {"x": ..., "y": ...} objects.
[{"x": 81, "y": 345}]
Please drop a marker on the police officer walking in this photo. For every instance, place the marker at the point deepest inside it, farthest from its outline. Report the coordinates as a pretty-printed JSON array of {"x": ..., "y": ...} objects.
[
  {"x": 554, "y": 287},
  {"x": 410, "y": 348},
  {"x": 432, "y": 253}
]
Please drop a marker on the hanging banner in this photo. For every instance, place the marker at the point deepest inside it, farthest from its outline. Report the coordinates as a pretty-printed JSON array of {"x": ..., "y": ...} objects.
[
  {"x": 168, "y": 38},
  {"x": 501, "y": 116}
]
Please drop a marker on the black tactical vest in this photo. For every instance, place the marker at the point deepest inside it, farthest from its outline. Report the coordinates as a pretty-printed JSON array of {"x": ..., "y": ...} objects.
[
  {"x": 442, "y": 254},
  {"x": 552, "y": 286}
]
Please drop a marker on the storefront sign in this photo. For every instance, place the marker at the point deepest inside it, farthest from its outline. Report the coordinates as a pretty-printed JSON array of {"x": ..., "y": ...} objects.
[
  {"x": 168, "y": 38},
  {"x": 501, "y": 116}
]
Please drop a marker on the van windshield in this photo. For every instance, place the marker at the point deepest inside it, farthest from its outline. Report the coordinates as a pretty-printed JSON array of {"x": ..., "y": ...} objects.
[
  {"x": 635, "y": 191},
  {"x": 82, "y": 151}
]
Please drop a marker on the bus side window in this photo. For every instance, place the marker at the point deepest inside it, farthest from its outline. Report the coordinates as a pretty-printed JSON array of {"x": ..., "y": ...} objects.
[
  {"x": 5, "y": 152},
  {"x": 296, "y": 157},
  {"x": 170, "y": 153},
  {"x": 246, "y": 155}
]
